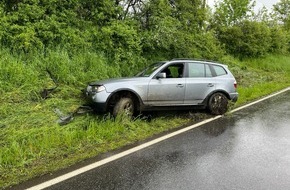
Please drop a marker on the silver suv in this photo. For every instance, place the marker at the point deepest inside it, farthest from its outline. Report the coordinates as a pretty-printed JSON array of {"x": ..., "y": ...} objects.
[{"x": 181, "y": 83}]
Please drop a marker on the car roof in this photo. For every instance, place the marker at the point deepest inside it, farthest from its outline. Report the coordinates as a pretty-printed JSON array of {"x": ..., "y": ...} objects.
[{"x": 179, "y": 60}]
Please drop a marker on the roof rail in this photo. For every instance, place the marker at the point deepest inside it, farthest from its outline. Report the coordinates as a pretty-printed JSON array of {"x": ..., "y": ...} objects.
[{"x": 176, "y": 59}]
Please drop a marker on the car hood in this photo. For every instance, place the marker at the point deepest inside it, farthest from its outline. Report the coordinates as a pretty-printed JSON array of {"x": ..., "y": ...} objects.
[{"x": 118, "y": 80}]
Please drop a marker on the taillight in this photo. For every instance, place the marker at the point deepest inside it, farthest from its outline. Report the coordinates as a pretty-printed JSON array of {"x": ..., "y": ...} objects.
[{"x": 235, "y": 85}]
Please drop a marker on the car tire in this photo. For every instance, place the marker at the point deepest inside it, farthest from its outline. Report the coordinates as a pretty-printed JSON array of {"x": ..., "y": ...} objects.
[
  {"x": 124, "y": 106},
  {"x": 218, "y": 104}
]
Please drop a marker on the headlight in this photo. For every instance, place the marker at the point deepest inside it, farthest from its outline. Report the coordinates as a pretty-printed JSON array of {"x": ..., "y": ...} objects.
[{"x": 97, "y": 89}]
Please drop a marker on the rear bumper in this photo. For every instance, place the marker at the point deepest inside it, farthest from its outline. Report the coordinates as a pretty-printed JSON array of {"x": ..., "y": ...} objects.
[{"x": 234, "y": 96}]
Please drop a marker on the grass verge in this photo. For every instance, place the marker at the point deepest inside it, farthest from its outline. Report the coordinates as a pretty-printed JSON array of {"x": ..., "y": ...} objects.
[{"x": 31, "y": 141}]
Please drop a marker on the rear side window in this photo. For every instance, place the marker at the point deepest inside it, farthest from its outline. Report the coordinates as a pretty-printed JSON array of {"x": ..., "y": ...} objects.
[
  {"x": 196, "y": 70},
  {"x": 208, "y": 71},
  {"x": 219, "y": 70}
]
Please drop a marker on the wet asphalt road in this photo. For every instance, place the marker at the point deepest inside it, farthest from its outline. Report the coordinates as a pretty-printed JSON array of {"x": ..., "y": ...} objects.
[{"x": 248, "y": 150}]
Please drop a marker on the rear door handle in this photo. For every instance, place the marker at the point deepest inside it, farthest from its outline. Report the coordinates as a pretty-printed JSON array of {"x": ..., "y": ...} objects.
[{"x": 210, "y": 85}]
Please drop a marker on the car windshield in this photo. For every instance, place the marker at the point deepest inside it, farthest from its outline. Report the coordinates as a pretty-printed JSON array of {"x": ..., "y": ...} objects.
[{"x": 149, "y": 70}]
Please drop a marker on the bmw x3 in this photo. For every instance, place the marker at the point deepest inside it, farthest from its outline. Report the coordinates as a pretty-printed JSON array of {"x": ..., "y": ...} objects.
[{"x": 175, "y": 84}]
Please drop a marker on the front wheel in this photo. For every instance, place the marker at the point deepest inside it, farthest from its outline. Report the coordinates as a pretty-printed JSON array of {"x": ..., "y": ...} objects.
[
  {"x": 218, "y": 104},
  {"x": 124, "y": 106}
]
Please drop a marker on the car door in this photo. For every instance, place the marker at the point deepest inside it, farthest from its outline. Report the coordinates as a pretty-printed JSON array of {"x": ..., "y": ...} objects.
[
  {"x": 168, "y": 91},
  {"x": 199, "y": 83}
]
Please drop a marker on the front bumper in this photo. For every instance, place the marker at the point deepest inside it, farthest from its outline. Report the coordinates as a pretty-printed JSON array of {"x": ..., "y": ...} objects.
[
  {"x": 99, "y": 107},
  {"x": 97, "y": 100}
]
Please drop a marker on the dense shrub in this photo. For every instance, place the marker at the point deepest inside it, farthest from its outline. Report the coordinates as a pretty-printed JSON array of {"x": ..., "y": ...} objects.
[
  {"x": 248, "y": 38},
  {"x": 279, "y": 40}
]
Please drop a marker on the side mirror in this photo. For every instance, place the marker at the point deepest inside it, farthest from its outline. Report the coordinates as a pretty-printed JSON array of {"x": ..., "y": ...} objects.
[{"x": 161, "y": 75}]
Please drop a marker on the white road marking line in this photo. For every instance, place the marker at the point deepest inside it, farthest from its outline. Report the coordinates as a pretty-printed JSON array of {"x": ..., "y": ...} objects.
[{"x": 140, "y": 147}]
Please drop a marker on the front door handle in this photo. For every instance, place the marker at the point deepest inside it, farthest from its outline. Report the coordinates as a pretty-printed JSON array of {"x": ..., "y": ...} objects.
[{"x": 180, "y": 85}]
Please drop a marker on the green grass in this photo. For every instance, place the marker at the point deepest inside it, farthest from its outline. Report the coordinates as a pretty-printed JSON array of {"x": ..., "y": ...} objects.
[
  {"x": 29, "y": 149},
  {"x": 261, "y": 77},
  {"x": 31, "y": 141}
]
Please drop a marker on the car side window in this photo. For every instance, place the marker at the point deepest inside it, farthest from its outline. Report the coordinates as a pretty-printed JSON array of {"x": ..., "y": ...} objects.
[
  {"x": 208, "y": 72},
  {"x": 174, "y": 71},
  {"x": 219, "y": 70},
  {"x": 196, "y": 70}
]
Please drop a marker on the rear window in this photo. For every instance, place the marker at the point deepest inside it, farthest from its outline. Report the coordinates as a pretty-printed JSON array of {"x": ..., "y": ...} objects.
[{"x": 219, "y": 70}]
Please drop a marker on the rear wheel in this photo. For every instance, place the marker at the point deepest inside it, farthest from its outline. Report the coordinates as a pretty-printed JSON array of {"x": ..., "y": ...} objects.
[
  {"x": 218, "y": 104},
  {"x": 124, "y": 106}
]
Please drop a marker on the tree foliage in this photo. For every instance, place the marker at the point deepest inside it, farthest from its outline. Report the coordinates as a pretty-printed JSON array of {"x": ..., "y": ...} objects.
[
  {"x": 127, "y": 32},
  {"x": 282, "y": 11},
  {"x": 231, "y": 12}
]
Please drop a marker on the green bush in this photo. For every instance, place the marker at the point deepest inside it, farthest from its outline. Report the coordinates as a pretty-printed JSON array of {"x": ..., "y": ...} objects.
[
  {"x": 279, "y": 40},
  {"x": 247, "y": 39}
]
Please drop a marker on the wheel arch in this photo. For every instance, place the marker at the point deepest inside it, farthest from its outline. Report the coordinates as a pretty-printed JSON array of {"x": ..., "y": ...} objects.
[
  {"x": 206, "y": 100},
  {"x": 116, "y": 95}
]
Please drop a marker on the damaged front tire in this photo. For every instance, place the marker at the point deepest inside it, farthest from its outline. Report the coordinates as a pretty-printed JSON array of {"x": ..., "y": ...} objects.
[{"x": 124, "y": 106}]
